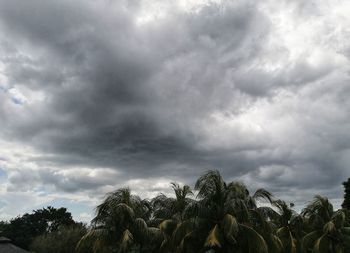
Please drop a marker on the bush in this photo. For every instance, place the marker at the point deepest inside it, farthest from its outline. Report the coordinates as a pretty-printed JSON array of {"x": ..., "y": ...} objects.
[{"x": 64, "y": 240}]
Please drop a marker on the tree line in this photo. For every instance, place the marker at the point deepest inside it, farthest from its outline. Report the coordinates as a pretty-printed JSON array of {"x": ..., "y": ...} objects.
[
  {"x": 214, "y": 216},
  {"x": 44, "y": 230},
  {"x": 222, "y": 217}
]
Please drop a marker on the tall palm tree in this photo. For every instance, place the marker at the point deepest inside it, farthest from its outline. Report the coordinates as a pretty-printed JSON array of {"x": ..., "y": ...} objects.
[
  {"x": 220, "y": 219},
  {"x": 165, "y": 208},
  {"x": 289, "y": 226},
  {"x": 265, "y": 226},
  {"x": 168, "y": 212},
  {"x": 328, "y": 235},
  {"x": 223, "y": 218},
  {"x": 120, "y": 222}
]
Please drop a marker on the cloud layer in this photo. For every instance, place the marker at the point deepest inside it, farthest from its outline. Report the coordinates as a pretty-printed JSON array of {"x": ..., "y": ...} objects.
[{"x": 95, "y": 95}]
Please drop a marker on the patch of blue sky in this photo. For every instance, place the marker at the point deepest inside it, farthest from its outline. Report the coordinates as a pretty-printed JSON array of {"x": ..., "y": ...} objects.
[
  {"x": 4, "y": 88},
  {"x": 3, "y": 174},
  {"x": 2, "y": 204},
  {"x": 16, "y": 101},
  {"x": 40, "y": 191},
  {"x": 15, "y": 97}
]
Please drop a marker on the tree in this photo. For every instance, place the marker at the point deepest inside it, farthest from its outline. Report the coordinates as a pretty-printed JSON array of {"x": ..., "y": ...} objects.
[
  {"x": 221, "y": 219},
  {"x": 23, "y": 229},
  {"x": 328, "y": 234},
  {"x": 290, "y": 227},
  {"x": 346, "y": 203},
  {"x": 120, "y": 224},
  {"x": 168, "y": 212},
  {"x": 171, "y": 208}
]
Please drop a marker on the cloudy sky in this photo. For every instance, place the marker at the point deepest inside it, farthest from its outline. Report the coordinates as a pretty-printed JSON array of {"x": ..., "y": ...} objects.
[{"x": 96, "y": 95}]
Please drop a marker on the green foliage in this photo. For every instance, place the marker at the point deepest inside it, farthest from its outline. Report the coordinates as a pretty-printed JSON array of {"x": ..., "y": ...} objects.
[
  {"x": 223, "y": 217},
  {"x": 328, "y": 232},
  {"x": 63, "y": 240},
  {"x": 23, "y": 229}
]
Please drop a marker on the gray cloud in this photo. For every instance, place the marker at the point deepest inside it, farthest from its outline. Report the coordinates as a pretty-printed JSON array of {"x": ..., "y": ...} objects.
[{"x": 256, "y": 90}]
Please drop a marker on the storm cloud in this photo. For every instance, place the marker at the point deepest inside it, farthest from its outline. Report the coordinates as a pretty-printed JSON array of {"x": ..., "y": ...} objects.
[{"x": 96, "y": 95}]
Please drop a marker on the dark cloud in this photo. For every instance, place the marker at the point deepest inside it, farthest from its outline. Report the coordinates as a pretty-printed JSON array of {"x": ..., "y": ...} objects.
[{"x": 233, "y": 86}]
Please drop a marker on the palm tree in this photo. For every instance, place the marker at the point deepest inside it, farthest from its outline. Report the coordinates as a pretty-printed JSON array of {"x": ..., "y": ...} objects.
[
  {"x": 264, "y": 219},
  {"x": 289, "y": 226},
  {"x": 328, "y": 233},
  {"x": 120, "y": 222},
  {"x": 223, "y": 218},
  {"x": 168, "y": 212},
  {"x": 220, "y": 219},
  {"x": 165, "y": 208},
  {"x": 182, "y": 199}
]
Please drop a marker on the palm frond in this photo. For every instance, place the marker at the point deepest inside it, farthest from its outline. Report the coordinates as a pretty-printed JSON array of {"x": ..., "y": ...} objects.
[
  {"x": 329, "y": 228},
  {"x": 214, "y": 238},
  {"x": 263, "y": 194},
  {"x": 287, "y": 239},
  {"x": 268, "y": 212},
  {"x": 320, "y": 206},
  {"x": 126, "y": 241},
  {"x": 140, "y": 229},
  {"x": 255, "y": 243},
  {"x": 230, "y": 228},
  {"x": 183, "y": 229},
  {"x": 323, "y": 245},
  {"x": 209, "y": 185},
  {"x": 309, "y": 240},
  {"x": 338, "y": 219},
  {"x": 167, "y": 227}
]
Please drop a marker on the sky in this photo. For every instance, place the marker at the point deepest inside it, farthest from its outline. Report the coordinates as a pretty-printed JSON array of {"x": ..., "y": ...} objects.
[{"x": 98, "y": 95}]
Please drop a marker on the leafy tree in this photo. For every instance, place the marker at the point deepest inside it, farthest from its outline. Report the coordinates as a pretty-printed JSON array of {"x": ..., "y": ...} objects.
[{"x": 23, "y": 229}]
